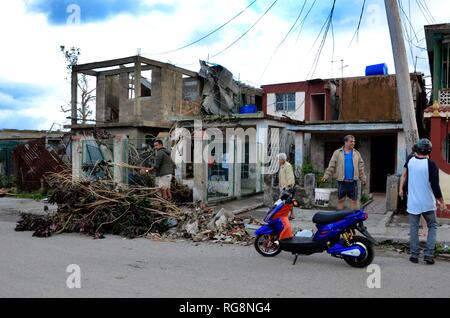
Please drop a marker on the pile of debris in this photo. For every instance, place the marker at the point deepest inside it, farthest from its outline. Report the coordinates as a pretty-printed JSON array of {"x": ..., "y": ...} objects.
[
  {"x": 201, "y": 225},
  {"x": 98, "y": 207}
]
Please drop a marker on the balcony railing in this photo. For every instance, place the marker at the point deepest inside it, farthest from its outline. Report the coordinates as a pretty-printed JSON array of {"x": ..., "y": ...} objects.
[{"x": 444, "y": 97}]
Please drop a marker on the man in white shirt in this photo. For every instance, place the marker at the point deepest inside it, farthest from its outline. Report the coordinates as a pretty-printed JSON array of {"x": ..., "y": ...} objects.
[{"x": 424, "y": 193}]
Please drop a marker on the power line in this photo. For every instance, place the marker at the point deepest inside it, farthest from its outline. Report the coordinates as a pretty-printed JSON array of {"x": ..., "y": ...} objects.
[
  {"x": 328, "y": 23},
  {"x": 425, "y": 11},
  {"x": 408, "y": 19},
  {"x": 304, "y": 20},
  {"x": 210, "y": 33},
  {"x": 359, "y": 23},
  {"x": 419, "y": 4},
  {"x": 284, "y": 39},
  {"x": 245, "y": 33},
  {"x": 428, "y": 10}
]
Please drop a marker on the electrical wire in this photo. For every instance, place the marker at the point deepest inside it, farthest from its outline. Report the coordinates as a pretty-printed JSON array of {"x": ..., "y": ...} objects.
[
  {"x": 284, "y": 39},
  {"x": 328, "y": 23},
  {"x": 210, "y": 33},
  {"x": 359, "y": 24},
  {"x": 304, "y": 20},
  {"x": 245, "y": 33}
]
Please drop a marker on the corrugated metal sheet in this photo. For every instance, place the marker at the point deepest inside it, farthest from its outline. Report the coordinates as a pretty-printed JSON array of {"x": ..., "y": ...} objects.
[{"x": 32, "y": 161}]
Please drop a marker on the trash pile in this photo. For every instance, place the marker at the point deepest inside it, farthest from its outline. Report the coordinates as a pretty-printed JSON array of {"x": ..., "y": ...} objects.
[
  {"x": 201, "y": 225},
  {"x": 100, "y": 207}
]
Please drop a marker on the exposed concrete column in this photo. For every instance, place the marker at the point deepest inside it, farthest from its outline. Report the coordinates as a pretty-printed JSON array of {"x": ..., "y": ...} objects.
[
  {"x": 299, "y": 154},
  {"x": 200, "y": 166},
  {"x": 262, "y": 134},
  {"x": 125, "y": 114},
  {"x": 74, "y": 100},
  {"x": 239, "y": 149},
  {"x": 231, "y": 164},
  {"x": 100, "y": 99},
  {"x": 307, "y": 141},
  {"x": 402, "y": 152},
  {"x": 77, "y": 156},
  {"x": 392, "y": 189},
  {"x": 137, "y": 90},
  {"x": 120, "y": 156}
]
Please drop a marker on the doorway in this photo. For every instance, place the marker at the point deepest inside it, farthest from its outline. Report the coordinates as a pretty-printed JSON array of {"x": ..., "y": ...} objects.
[
  {"x": 318, "y": 107},
  {"x": 383, "y": 154}
]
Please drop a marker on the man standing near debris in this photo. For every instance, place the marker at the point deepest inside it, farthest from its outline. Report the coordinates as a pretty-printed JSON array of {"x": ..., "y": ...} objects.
[
  {"x": 286, "y": 176},
  {"x": 423, "y": 194},
  {"x": 347, "y": 166},
  {"x": 164, "y": 168}
]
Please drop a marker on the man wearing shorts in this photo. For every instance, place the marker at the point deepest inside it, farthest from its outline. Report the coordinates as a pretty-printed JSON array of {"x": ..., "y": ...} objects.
[
  {"x": 347, "y": 166},
  {"x": 164, "y": 168}
]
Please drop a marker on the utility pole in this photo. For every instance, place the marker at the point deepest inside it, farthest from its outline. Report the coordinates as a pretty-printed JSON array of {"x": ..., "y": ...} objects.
[{"x": 402, "y": 72}]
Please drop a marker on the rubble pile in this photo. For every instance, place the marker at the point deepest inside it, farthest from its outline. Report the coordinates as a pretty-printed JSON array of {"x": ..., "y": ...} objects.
[
  {"x": 99, "y": 207},
  {"x": 201, "y": 224}
]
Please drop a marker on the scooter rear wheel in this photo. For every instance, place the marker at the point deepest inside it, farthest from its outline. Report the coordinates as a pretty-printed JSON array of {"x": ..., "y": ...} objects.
[
  {"x": 366, "y": 260},
  {"x": 267, "y": 246}
]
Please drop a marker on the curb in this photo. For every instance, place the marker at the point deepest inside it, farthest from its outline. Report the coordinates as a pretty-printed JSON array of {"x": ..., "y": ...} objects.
[{"x": 247, "y": 209}]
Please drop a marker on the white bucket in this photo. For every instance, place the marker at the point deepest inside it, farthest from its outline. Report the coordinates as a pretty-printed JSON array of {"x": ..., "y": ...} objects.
[{"x": 322, "y": 196}]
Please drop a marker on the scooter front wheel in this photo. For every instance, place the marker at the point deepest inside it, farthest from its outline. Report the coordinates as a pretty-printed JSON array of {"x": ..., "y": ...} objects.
[
  {"x": 267, "y": 246},
  {"x": 365, "y": 260}
]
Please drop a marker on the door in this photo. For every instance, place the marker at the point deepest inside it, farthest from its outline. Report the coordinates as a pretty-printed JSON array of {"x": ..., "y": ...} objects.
[{"x": 383, "y": 154}]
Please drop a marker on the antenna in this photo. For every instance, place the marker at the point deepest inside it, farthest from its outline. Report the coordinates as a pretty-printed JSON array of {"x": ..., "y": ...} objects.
[{"x": 341, "y": 68}]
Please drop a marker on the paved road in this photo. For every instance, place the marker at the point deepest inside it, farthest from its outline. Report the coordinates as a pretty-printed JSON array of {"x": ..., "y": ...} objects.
[{"x": 116, "y": 267}]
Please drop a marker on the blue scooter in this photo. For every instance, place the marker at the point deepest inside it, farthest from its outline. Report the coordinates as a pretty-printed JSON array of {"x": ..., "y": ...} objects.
[{"x": 336, "y": 234}]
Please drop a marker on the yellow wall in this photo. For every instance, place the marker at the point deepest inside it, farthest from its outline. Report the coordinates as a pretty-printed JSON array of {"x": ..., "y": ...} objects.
[{"x": 444, "y": 180}]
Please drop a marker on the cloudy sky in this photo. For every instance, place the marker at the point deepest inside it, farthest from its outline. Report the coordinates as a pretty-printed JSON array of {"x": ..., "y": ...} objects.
[{"x": 32, "y": 69}]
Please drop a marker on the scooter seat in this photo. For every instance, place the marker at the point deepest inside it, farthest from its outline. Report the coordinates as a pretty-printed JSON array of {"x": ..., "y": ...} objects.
[{"x": 329, "y": 217}]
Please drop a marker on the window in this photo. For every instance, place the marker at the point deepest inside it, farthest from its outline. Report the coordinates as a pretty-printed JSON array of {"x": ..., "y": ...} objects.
[
  {"x": 146, "y": 85},
  {"x": 285, "y": 102},
  {"x": 245, "y": 170},
  {"x": 131, "y": 86}
]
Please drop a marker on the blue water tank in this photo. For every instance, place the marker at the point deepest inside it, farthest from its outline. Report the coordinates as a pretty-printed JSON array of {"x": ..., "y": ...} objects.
[
  {"x": 248, "y": 109},
  {"x": 377, "y": 69}
]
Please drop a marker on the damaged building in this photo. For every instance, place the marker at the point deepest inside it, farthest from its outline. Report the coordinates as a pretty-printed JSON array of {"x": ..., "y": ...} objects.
[
  {"x": 366, "y": 107},
  {"x": 138, "y": 100}
]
